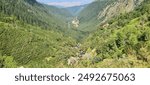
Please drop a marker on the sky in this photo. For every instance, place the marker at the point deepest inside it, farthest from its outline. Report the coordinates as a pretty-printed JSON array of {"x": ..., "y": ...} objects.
[{"x": 65, "y": 3}]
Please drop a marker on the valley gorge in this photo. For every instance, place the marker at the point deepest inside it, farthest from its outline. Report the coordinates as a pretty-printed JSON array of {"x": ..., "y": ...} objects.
[{"x": 102, "y": 34}]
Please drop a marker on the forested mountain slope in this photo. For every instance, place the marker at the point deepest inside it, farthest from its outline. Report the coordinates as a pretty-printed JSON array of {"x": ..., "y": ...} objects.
[
  {"x": 60, "y": 13},
  {"x": 125, "y": 42},
  {"x": 100, "y": 11},
  {"x": 25, "y": 45},
  {"x": 30, "y": 35},
  {"x": 32, "y": 12}
]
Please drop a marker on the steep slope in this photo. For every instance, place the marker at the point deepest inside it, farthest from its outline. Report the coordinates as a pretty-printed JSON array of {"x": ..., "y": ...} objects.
[
  {"x": 24, "y": 42},
  {"x": 60, "y": 13},
  {"x": 88, "y": 17},
  {"x": 125, "y": 42},
  {"x": 25, "y": 45},
  {"x": 121, "y": 6},
  {"x": 32, "y": 12},
  {"x": 102, "y": 10}
]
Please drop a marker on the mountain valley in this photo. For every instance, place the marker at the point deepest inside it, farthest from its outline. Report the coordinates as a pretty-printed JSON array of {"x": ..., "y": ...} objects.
[{"x": 104, "y": 33}]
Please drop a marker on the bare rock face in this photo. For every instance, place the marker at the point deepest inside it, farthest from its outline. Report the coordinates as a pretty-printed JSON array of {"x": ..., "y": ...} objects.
[{"x": 118, "y": 7}]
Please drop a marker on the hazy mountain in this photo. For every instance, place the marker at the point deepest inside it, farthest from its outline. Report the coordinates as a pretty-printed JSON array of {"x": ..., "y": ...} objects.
[{"x": 75, "y": 10}]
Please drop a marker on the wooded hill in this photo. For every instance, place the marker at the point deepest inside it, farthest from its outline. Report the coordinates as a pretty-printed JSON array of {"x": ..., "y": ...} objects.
[
  {"x": 29, "y": 35},
  {"x": 32, "y": 12},
  {"x": 125, "y": 42}
]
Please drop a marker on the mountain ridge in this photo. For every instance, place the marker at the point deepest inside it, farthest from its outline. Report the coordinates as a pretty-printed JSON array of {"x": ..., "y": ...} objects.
[
  {"x": 32, "y": 12},
  {"x": 101, "y": 11}
]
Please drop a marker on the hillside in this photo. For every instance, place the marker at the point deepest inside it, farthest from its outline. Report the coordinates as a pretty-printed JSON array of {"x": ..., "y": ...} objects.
[
  {"x": 60, "y": 13},
  {"x": 100, "y": 11},
  {"x": 75, "y": 10},
  {"x": 31, "y": 36},
  {"x": 34, "y": 13},
  {"x": 34, "y": 35},
  {"x": 125, "y": 42},
  {"x": 88, "y": 16},
  {"x": 30, "y": 46}
]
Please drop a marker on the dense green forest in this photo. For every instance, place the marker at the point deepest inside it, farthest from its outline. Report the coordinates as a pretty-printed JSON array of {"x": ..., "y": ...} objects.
[
  {"x": 29, "y": 44},
  {"x": 34, "y": 13},
  {"x": 125, "y": 42},
  {"x": 34, "y": 35}
]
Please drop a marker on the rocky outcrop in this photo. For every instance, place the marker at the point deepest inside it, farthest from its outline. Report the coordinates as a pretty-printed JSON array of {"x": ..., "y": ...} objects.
[
  {"x": 73, "y": 61},
  {"x": 89, "y": 54},
  {"x": 118, "y": 7},
  {"x": 75, "y": 22}
]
